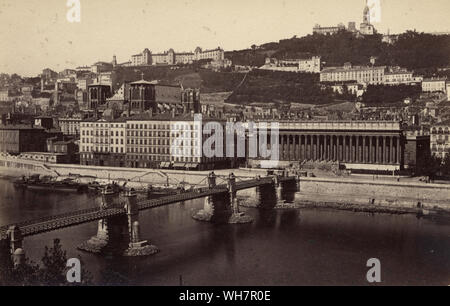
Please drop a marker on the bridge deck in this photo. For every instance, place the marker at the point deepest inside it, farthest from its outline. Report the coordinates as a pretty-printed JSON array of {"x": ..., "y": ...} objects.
[{"x": 46, "y": 224}]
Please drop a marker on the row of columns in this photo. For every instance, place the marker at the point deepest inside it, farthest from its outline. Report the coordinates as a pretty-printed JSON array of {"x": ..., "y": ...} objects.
[{"x": 342, "y": 148}]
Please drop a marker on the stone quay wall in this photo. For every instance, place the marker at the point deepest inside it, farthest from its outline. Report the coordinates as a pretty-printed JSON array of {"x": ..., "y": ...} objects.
[{"x": 374, "y": 192}]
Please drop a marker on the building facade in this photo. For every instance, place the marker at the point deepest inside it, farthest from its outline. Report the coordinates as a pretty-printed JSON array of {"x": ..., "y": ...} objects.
[
  {"x": 434, "y": 85},
  {"x": 15, "y": 139},
  {"x": 144, "y": 141},
  {"x": 358, "y": 145},
  {"x": 361, "y": 74},
  {"x": 97, "y": 95},
  {"x": 398, "y": 76},
  {"x": 171, "y": 57},
  {"x": 310, "y": 65},
  {"x": 440, "y": 139},
  {"x": 70, "y": 125},
  {"x": 417, "y": 149},
  {"x": 160, "y": 98},
  {"x": 328, "y": 30}
]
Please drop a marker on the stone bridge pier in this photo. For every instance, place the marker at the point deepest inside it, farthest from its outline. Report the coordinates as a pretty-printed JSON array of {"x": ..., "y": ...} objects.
[
  {"x": 285, "y": 189},
  {"x": 268, "y": 196},
  {"x": 137, "y": 246},
  {"x": 110, "y": 231},
  {"x": 222, "y": 207},
  {"x": 119, "y": 234}
]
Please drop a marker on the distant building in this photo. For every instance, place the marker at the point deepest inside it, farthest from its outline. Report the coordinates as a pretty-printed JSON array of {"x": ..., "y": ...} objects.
[
  {"x": 97, "y": 95},
  {"x": 448, "y": 91},
  {"x": 82, "y": 83},
  {"x": 27, "y": 91},
  {"x": 15, "y": 139},
  {"x": 417, "y": 149},
  {"x": 5, "y": 95},
  {"x": 390, "y": 38},
  {"x": 311, "y": 65},
  {"x": 360, "y": 74},
  {"x": 328, "y": 30},
  {"x": 83, "y": 68},
  {"x": 49, "y": 74},
  {"x": 366, "y": 27},
  {"x": 217, "y": 65},
  {"x": 398, "y": 76},
  {"x": 68, "y": 73},
  {"x": 440, "y": 139},
  {"x": 170, "y": 57},
  {"x": 70, "y": 125},
  {"x": 159, "y": 98},
  {"x": 57, "y": 152},
  {"x": 101, "y": 67},
  {"x": 44, "y": 122},
  {"x": 434, "y": 85}
]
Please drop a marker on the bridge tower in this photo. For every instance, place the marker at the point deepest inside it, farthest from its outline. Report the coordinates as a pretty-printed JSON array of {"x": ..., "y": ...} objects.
[
  {"x": 233, "y": 193},
  {"x": 136, "y": 247},
  {"x": 222, "y": 207},
  {"x": 15, "y": 239},
  {"x": 98, "y": 242}
]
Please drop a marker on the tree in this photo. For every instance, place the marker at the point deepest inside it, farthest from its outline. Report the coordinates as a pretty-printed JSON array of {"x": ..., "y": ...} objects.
[
  {"x": 430, "y": 166},
  {"x": 52, "y": 272}
]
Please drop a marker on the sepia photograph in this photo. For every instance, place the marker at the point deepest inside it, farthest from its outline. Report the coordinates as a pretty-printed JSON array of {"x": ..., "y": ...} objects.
[{"x": 226, "y": 151}]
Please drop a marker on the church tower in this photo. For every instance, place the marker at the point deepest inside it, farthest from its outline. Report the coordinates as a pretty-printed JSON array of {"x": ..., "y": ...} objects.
[
  {"x": 366, "y": 27},
  {"x": 366, "y": 15}
]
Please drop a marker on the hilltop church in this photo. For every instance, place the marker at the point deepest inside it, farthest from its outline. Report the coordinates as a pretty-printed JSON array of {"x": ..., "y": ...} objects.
[{"x": 366, "y": 27}]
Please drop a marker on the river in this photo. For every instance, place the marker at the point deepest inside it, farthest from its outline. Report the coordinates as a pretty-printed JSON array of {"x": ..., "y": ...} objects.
[{"x": 281, "y": 247}]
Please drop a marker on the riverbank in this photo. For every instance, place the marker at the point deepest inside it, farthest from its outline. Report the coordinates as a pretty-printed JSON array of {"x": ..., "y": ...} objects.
[{"x": 371, "y": 194}]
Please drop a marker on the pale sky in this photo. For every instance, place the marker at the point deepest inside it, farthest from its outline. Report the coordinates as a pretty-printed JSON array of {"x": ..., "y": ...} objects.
[{"x": 35, "y": 34}]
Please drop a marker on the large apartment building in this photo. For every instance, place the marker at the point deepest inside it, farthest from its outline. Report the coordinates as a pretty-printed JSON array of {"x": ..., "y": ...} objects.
[
  {"x": 145, "y": 141},
  {"x": 440, "y": 139},
  {"x": 170, "y": 57},
  {"x": 370, "y": 75}
]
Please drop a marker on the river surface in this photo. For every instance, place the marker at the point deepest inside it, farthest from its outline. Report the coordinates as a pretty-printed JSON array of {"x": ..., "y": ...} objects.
[{"x": 281, "y": 247}]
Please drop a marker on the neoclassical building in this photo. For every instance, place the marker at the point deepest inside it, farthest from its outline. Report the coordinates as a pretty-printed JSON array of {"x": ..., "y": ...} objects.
[{"x": 362, "y": 145}]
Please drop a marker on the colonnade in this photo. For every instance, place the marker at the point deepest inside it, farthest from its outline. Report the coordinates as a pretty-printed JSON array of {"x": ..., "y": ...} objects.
[{"x": 363, "y": 148}]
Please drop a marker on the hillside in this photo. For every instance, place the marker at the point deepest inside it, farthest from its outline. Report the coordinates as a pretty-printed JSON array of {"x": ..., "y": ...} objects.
[
  {"x": 256, "y": 86},
  {"x": 207, "y": 81},
  {"x": 413, "y": 50},
  {"x": 274, "y": 86}
]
